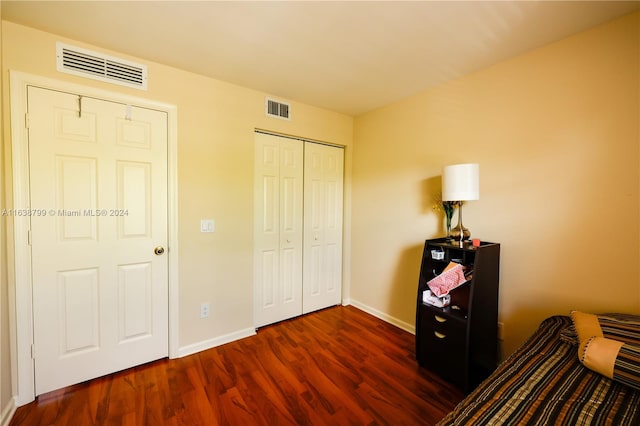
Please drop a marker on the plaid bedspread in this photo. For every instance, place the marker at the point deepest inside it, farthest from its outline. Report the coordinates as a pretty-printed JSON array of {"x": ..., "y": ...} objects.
[{"x": 543, "y": 383}]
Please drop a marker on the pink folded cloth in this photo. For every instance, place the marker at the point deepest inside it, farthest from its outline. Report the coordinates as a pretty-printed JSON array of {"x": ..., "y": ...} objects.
[{"x": 450, "y": 278}]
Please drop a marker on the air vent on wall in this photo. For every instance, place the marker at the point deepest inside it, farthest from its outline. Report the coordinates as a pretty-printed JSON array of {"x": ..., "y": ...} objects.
[
  {"x": 278, "y": 109},
  {"x": 84, "y": 63}
]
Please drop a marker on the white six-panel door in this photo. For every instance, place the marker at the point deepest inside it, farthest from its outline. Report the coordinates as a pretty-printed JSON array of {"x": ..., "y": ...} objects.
[
  {"x": 277, "y": 228},
  {"x": 297, "y": 227},
  {"x": 98, "y": 176},
  {"x": 323, "y": 190}
]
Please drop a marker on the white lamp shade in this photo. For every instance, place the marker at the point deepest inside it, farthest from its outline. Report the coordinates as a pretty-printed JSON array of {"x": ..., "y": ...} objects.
[{"x": 461, "y": 182}]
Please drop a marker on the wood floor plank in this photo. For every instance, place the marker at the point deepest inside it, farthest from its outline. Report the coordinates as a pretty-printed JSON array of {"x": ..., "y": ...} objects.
[{"x": 338, "y": 366}]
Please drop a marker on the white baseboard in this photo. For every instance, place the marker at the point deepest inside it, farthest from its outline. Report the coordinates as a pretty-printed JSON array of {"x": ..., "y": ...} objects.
[
  {"x": 7, "y": 412},
  {"x": 212, "y": 343},
  {"x": 383, "y": 316}
]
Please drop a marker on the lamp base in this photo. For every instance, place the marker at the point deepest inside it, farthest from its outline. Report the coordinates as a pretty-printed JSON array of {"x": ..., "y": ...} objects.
[
  {"x": 460, "y": 233},
  {"x": 455, "y": 232}
]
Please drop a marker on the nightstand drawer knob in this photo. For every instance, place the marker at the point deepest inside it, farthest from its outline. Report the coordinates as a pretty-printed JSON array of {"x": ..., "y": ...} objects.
[
  {"x": 439, "y": 318},
  {"x": 439, "y": 335}
]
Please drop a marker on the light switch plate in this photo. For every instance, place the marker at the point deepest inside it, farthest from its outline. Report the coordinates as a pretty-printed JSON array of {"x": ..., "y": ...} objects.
[{"x": 207, "y": 225}]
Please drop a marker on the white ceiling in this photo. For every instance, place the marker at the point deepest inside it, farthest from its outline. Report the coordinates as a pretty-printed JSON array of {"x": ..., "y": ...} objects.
[{"x": 349, "y": 57}]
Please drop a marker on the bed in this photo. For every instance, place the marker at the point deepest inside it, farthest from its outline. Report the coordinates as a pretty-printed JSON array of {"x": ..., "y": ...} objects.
[{"x": 545, "y": 383}]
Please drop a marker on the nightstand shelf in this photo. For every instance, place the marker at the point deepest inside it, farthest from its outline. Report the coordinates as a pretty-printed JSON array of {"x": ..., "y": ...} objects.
[{"x": 460, "y": 342}]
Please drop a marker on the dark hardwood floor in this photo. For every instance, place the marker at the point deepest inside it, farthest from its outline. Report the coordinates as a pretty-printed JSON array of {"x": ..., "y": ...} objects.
[{"x": 338, "y": 366}]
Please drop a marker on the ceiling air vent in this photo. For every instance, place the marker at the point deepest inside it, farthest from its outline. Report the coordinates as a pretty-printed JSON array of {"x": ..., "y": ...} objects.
[
  {"x": 278, "y": 109},
  {"x": 84, "y": 63}
]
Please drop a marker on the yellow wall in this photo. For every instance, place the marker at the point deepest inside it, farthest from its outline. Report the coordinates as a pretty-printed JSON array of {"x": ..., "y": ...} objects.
[
  {"x": 556, "y": 133},
  {"x": 216, "y": 121}
]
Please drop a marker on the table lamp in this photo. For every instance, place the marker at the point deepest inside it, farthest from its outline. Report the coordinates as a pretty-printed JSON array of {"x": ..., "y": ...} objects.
[{"x": 460, "y": 182}]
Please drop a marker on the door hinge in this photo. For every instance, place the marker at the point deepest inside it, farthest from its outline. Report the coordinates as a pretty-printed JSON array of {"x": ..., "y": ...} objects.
[
  {"x": 26, "y": 120},
  {"x": 28, "y": 237}
]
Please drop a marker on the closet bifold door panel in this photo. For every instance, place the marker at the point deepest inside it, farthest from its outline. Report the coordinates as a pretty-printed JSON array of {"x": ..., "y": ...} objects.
[
  {"x": 323, "y": 207},
  {"x": 278, "y": 202}
]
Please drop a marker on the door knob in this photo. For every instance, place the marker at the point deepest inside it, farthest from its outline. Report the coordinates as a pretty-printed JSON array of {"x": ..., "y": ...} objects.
[{"x": 158, "y": 250}]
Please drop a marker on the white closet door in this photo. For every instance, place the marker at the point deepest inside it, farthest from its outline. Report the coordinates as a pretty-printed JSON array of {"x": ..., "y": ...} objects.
[
  {"x": 277, "y": 228},
  {"x": 323, "y": 206}
]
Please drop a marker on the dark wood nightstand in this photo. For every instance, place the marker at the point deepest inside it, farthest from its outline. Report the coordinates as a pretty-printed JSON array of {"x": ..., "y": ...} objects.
[{"x": 460, "y": 341}]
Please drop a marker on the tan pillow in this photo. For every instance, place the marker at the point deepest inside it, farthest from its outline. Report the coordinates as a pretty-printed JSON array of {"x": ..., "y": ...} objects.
[
  {"x": 614, "y": 359},
  {"x": 617, "y": 326},
  {"x": 587, "y": 326}
]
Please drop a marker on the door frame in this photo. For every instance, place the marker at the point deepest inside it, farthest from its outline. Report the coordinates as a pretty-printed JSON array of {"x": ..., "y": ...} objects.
[{"x": 19, "y": 267}]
